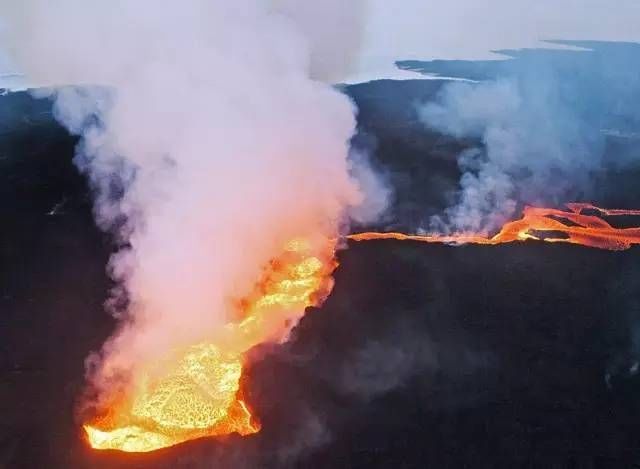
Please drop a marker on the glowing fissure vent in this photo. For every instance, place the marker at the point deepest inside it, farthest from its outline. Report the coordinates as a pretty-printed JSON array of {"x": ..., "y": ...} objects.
[{"x": 541, "y": 224}]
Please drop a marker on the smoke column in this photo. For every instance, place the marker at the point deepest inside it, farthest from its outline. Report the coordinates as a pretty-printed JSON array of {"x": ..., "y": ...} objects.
[
  {"x": 543, "y": 124},
  {"x": 209, "y": 142}
]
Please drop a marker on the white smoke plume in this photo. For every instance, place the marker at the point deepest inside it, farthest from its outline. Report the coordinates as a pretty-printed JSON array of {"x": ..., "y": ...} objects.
[
  {"x": 208, "y": 138},
  {"x": 532, "y": 145},
  {"x": 541, "y": 127}
]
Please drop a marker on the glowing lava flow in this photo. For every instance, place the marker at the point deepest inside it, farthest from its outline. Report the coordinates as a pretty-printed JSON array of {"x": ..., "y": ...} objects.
[
  {"x": 196, "y": 393},
  {"x": 542, "y": 224}
]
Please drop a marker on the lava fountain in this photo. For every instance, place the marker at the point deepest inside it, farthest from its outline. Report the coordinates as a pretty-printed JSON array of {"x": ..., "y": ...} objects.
[{"x": 196, "y": 392}]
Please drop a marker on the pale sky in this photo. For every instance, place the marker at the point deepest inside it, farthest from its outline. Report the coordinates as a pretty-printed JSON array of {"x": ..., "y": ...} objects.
[{"x": 469, "y": 29}]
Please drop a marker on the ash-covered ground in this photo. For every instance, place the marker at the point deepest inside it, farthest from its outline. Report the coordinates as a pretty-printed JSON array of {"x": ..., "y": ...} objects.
[{"x": 434, "y": 356}]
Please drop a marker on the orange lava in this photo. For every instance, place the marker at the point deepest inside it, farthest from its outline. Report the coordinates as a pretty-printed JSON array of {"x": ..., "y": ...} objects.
[
  {"x": 542, "y": 224},
  {"x": 195, "y": 392}
]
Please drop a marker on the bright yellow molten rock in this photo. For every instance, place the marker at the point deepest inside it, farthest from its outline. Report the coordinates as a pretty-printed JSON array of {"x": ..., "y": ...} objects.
[
  {"x": 197, "y": 399},
  {"x": 196, "y": 395}
]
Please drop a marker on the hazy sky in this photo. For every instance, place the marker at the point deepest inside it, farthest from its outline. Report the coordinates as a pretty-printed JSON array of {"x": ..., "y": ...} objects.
[{"x": 424, "y": 29}]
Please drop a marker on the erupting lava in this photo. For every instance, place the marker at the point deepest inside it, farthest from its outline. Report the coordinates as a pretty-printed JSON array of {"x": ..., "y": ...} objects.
[
  {"x": 542, "y": 224},
  {"x": 197, "y": 392}
]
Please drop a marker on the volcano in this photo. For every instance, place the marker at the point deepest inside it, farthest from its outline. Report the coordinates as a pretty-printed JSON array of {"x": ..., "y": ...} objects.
[{"x": 521, "y": 354}]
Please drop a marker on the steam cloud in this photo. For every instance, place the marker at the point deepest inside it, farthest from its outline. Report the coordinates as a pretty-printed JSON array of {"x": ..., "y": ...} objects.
[
  {"x": 544, "y": 125},
  {"x": 209, "y": 140}
]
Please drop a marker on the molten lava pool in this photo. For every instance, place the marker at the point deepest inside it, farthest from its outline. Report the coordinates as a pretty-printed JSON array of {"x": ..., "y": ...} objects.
[{"x": 199, "y": 397}]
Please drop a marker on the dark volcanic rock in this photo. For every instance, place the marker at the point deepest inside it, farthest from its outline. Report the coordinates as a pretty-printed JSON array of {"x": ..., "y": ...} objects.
[{"x": 423, "y": 356}]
